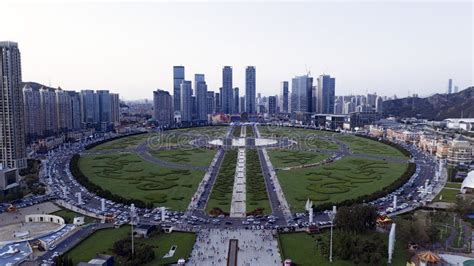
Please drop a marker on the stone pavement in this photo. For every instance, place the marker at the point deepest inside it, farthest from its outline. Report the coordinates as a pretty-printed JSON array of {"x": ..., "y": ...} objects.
[
  {"x": 255, "y": 247},
  {"x": 239, "y": 195},
  {"x": 19, "y": 215}
]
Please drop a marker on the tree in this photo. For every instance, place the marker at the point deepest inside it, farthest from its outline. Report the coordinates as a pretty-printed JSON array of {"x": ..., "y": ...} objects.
[{"x": 356, "y": 218}]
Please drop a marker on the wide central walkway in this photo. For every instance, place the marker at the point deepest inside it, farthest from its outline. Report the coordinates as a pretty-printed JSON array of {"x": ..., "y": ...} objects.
[
  {"x": 239, "y": 195},
  {"x": 254, "y": 248}
]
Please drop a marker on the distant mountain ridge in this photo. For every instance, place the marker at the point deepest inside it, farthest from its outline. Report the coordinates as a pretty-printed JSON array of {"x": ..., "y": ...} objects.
[{"x": 435, "y": 107}]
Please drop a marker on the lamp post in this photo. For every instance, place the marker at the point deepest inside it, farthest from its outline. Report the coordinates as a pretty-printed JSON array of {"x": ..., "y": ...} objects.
[{"x": 332, "y": 215}]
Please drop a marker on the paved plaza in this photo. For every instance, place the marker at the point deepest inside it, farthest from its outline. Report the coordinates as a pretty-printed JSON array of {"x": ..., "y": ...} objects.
[
  {"x": 19, "y": 216},
  {"x": 255, "y": 247}
]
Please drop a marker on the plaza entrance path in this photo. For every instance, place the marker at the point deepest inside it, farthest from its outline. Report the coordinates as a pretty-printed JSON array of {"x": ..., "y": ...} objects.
[{"x": 255, "y": 247}]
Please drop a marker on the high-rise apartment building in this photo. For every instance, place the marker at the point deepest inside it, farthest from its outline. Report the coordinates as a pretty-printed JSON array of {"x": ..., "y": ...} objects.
[
  {"x": 114, "y": 108},
  {"x": 201, "y": 97},
  {"x": 349, "y": 107},
  {"x": 12, "y": 119},
  {"x": 379, "y": 104},
  {"x": 163, "y": 108},
  {"x": 186, "y": 101},
  {"x": 89, "y": 107},
  {"x": 450, "y": 86},
  {"x": 32, "y": 105},
  {"x": 104, "y": 106},
  {"x": 250, "y": 90},
  {"x": 49, "y": 111},
  {"x": 301, "y": 94},
  {"x": 284, "y": 97},
  {"x": 75, "y": 103},
  {"x": 64, "y": 111},
  {"x": 227, "y": 94},
  {"x": 178, "y": 77},
  {"x": 326, "y": 94}
]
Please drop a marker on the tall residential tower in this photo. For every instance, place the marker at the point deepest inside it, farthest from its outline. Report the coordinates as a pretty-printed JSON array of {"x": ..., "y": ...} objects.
[{"x": 12, "y": 120}]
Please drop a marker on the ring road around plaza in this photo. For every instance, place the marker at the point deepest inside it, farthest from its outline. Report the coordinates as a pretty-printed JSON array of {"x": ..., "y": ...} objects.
[{"x": 198, "y": 172}]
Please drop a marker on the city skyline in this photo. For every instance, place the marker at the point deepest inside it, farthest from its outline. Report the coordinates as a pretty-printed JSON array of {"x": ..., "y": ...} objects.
[{"x": 371, "y": 36}]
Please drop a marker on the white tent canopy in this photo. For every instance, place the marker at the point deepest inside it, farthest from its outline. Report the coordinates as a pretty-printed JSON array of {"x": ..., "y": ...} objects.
[{"x": 468, "y": 182}]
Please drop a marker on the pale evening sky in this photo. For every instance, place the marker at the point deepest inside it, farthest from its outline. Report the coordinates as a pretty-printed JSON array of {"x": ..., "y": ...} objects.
[{"x": 130, "y": 48}]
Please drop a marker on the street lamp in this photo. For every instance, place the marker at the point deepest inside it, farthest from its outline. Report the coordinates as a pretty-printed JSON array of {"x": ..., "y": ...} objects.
[{"x": 332, "y": 215}]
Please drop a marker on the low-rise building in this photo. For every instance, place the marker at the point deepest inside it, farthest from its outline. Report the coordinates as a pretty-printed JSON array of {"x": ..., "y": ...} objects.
[{"x": 459, "y": 151}]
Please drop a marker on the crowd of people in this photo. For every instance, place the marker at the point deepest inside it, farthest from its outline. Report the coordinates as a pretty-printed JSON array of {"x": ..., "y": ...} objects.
[{"x": 254, "y": 247}]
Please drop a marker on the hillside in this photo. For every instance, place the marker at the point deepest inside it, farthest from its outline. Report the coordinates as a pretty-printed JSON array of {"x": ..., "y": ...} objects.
[{"x": 436, "y": 107}]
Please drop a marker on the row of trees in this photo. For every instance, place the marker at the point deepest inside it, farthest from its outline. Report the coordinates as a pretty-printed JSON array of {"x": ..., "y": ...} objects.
[
  {"x": 92, "y": 145},
  {"x": 99, "y": 191},
  {"x": 355, "y": 239},
  {"x": 375, "y": 195},
  {"x": 357, "y": 218}
]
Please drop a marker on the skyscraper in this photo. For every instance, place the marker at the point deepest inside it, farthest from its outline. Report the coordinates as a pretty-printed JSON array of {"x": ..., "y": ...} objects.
[
  {"x": 49, "y": 111},
  {"x": 272, "y": 104},
  {"x": 450, "y": 86},
  {"x": 236, "y": 100},
  {"x": 379, "y": 104},
  {"x": 301, "y": 94},
  {"x": 104, "y": 106},
  {"x": 115, "y": 108},
  {"x": 201, "y": 97},
  {"x": 75, "y": 99},
  {"x": 284, "y": 97},
  {"x": 242, "y": 104},
  {"x": 217, "y": 103},
  {"x": 210, "y": 102},
  {"x": 178, "y": 77},
  {"x": 227, "y": 95},
  {"x": 163, "y": 108},
  {"x": 89, "y": 107},
  {"x": 186, "y": 101},
  {"x": 32, "y": 104},
  {"x": 64, "y": 111},
  {"x": 250, "y": 89},
  {"x": 326, "y": 94},
  {"x": 12, "y": 120}
]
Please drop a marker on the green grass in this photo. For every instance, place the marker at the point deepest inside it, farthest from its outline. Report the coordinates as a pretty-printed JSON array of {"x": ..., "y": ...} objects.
[
  {"x": 288, "y": 158},
  {"x": 99, "y": 242},
  {"x": 196, "y": 157},
  {"x": 69, "y": 215},
  {"x": 447, "y": 195},
  {"x": 102, "y": 242},
  {"x": 360, "y": 145},
  {"x": 236, "y": 131},
  {"x": 131, "y": 177},
  {"x": 257, "y": 197},
  {"x": 168, "y": 138},
  {"x": 163, "y": 242},
  {"x": 453, "y": 185},
  {"x": 305, "y": 138},
  {"x": 347, "y": 178},
  {"x": 221, "y": 195},
  {"x": 302, "y": 249},
  {"x": 249, "y": 132},
  {"x": 122, "y": 143}
]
